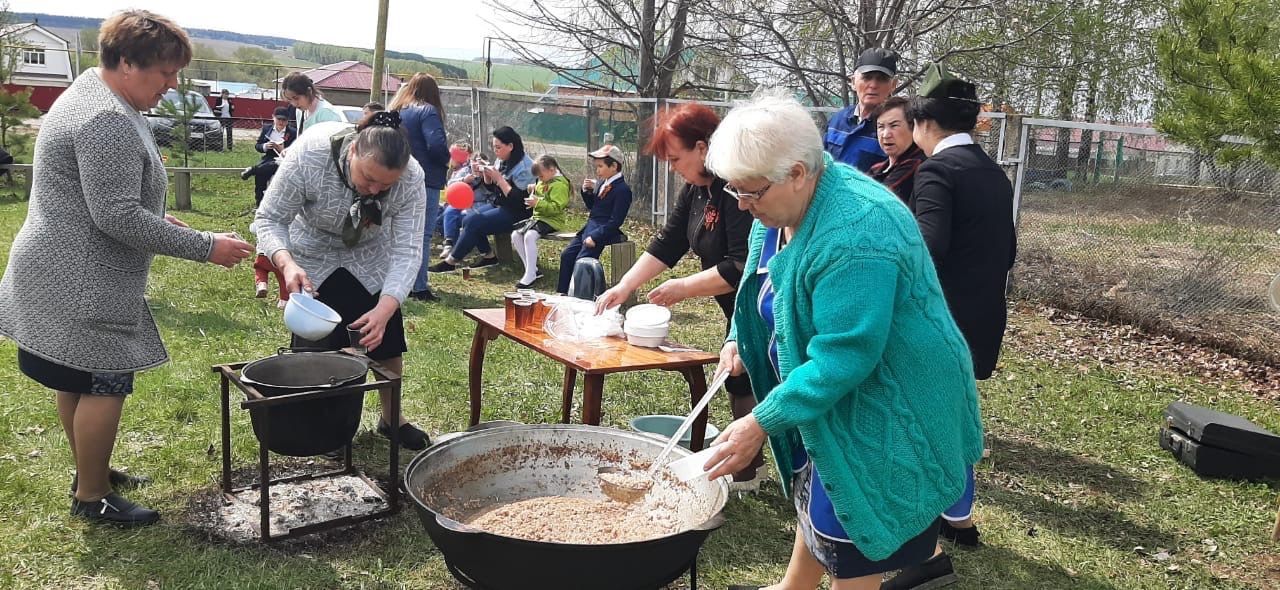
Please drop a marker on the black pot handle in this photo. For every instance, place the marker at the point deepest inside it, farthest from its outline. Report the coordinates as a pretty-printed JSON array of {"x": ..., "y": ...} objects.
[
  {"x": 455, "y": 526},
  {"x": 715, "y": 522},
  {"x": 292, "y": 349}
]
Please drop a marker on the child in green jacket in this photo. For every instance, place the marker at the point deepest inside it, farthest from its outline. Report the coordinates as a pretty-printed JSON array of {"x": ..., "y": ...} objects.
[{"x": 548, "y": 199}]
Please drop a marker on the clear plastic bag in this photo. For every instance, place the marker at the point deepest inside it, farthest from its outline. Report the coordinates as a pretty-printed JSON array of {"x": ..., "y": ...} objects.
[{"x": 575, "y": 320}]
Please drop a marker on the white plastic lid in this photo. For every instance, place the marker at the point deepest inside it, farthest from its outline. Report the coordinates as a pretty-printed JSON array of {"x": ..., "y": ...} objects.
[{"x": 648, "y": 314}]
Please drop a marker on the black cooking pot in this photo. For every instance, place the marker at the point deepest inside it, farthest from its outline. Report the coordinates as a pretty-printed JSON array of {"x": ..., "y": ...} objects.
[
  {"x": 310, "y": 427},
  {"x": 512, "y": 463}
]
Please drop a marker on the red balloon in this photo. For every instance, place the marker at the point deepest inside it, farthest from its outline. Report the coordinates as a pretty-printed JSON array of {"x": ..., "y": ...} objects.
[
  {"x": 458, "y": 155},
  {"x": 459, "y": 195}
]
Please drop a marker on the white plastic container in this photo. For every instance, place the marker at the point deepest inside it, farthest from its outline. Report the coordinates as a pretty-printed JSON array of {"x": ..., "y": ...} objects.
[
  {"x": 689, "y": 468},
  {"x": 648, "y": 314},
  {"x": 645, "y": 341},
  {"x": 308, "y": 318}
]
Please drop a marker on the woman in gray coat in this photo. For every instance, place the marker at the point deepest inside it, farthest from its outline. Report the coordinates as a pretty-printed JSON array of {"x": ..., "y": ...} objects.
[{"x": 98, "y": 202}]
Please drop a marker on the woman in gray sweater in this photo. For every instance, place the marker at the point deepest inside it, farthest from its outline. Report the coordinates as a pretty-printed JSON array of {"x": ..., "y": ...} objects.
[
  {"x": 344, "y": 217},
  {"x": 98, "y": 207}
]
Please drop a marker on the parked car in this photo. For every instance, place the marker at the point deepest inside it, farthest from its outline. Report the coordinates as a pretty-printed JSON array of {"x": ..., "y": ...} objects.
[
  {"x": 351, "y": 114},
  {"x": 204, "y": 131}
]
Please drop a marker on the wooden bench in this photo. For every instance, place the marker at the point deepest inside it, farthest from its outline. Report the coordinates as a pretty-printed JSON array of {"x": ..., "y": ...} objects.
[{"x": 622, "y": 255}]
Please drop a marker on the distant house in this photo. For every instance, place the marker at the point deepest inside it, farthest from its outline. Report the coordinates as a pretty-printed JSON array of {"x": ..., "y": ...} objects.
[
  {"x": 44, "y": 60},
  {"x": 348, "y": 82}
]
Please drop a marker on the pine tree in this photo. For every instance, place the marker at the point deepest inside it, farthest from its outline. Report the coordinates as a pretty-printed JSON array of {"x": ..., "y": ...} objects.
[
  {"x": 15, "y": 107},
  {"x": 1221, "y": 63}
]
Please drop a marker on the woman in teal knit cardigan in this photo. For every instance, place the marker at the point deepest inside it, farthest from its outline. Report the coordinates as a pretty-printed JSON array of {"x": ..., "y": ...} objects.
[{"x": 865, "y": 385}]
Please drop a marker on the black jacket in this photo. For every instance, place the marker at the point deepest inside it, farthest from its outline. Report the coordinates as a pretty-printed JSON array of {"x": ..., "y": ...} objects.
[
  {"x": 290, "y": 134},
  {"x": 964, "y": 204},
  {"x": 707, "y": 220}
]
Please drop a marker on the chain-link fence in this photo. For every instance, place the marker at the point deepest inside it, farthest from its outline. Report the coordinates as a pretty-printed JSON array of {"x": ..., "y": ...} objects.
[{"x": 1122, "y": 223}]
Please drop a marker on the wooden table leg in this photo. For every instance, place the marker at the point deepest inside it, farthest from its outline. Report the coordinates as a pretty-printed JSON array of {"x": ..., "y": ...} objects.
[
  {"x": 592, "y": 394},
  {"x": 475, "y": 373},
  {"x": 566, "y": 399},
  {"x": 697, "y": 388}
]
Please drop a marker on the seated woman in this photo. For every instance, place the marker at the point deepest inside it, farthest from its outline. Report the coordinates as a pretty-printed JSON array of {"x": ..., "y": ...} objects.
[
  {"x": 893, "y": 129},
  {"x": 344, "y": 219},
  {"x": 450, "y": 220},
  {"x": 547, "y": 199},
  {"x": 608, "y": 198},
  {"x": 865, "y": 389},
  {"x": 509, "y": 181}
]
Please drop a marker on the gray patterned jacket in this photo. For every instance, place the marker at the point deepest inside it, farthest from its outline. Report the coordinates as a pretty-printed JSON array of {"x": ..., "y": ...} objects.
[
  {"x": 306, "y": 204},
  {"x": 73, "y": 290}
]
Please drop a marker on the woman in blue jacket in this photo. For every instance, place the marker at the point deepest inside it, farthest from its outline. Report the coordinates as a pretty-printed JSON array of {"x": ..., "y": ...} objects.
[
  {"x": 422, "y": 117},
  {"x": 608, "y": 198}
]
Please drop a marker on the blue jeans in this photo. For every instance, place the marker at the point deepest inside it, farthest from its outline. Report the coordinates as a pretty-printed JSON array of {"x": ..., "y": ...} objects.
[
  {"x": 433, "y": 206},
  {"x": 452, "y": 221},
  {"x": 476, "y": 229}
]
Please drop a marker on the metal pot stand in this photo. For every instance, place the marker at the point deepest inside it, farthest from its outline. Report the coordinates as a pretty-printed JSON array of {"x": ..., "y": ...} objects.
[{"x": 386, "y": 381}]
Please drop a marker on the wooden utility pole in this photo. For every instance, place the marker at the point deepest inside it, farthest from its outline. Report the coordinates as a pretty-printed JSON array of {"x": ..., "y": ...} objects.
[{"x": 379, "y": 52}]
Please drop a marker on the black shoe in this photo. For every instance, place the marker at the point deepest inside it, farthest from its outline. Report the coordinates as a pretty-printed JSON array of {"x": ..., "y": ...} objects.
[
  {"x": 118, "y": 479},
  {"x": 484, "y": 262},
  {"x": 426, "y": 295},
  {"x": 967, "y": 536},
  {"x": 411, "y": 437},
  {"x": 114, "y": 509},
  {"x": 442, "y": 266},
  {"x": 246, "y": 173},
  {"x": 936, "y": 572}
]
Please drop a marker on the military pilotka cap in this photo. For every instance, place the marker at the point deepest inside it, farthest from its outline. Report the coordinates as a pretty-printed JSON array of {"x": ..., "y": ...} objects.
[
  {"x": 877, "y": 60},
  {"x": 938, "y": 83}
]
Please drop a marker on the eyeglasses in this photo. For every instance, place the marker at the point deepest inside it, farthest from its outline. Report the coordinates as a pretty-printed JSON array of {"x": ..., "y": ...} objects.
[{"x": 744, "y": 196}]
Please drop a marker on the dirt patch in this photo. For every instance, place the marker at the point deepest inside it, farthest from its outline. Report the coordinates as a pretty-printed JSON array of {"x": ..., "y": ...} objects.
[
  {"x": 236, "y": 520},
  {"x": 1070, "y": 339}
]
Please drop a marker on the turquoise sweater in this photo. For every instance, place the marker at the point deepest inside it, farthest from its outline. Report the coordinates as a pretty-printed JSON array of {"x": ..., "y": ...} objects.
[{"x": 876, "y": 378}]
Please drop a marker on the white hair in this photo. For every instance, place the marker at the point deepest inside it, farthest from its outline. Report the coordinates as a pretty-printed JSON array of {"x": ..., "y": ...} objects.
[{"x": 763, "y": 138}]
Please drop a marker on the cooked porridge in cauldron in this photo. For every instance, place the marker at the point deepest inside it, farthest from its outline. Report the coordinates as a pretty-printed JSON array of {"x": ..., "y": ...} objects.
[{"x": 585, "y": 521}]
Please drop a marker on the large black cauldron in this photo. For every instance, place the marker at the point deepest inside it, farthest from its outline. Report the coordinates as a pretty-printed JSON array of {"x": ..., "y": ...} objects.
[
  {"x": 512, "y": 463},
  {"x": 309, "y": 427}
]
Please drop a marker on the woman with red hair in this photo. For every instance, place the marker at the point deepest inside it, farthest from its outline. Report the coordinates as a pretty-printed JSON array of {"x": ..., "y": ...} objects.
[{"x": 705, "y": 220}]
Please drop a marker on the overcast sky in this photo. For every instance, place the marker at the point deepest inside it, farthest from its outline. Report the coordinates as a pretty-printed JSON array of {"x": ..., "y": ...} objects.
[{"x": 435, "y": 28}]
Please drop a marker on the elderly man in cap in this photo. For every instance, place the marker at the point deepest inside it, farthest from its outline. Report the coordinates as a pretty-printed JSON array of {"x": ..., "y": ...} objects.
[{"x": 851, "y": 133}]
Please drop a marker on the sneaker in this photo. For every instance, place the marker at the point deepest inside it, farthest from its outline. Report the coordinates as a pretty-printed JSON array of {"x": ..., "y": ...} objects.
[
  {"x": 114, "y": 509},
  {"x": 246, "y": 173},
  {"x": 281, "y": 303},
  {"x": 411, "y": 437},
  {"x": 936, "y": 572},
  {"x": 442, "y": 266},
  {"x": 260, "y": 289},
  {"x": 490, "y": 261},
  {"x": 961, "y": 536},
  {"x": 118, "y": 479},
  {"x": 426, "y": 295}
]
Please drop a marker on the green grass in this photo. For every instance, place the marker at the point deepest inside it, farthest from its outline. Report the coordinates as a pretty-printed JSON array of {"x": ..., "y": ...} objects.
[{"x": 1074, "y": 484}]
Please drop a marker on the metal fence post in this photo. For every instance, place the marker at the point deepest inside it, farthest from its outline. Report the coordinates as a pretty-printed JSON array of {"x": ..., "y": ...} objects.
[{"x": 1022, "y": 169}]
